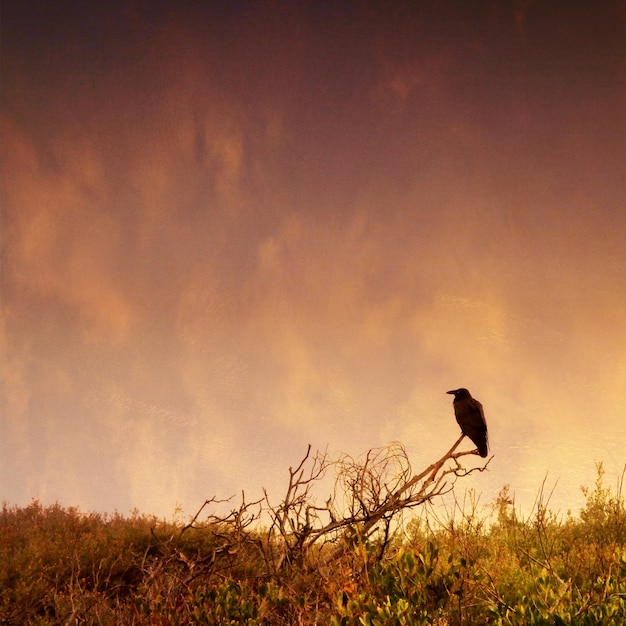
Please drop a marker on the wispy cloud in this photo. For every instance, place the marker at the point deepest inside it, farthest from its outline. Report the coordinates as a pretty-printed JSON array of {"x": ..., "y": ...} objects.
[{"x": 245, "y": 233}]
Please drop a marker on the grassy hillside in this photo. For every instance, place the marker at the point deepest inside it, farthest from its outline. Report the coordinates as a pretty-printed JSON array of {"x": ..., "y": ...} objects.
[{"x": 59, "y": 566}]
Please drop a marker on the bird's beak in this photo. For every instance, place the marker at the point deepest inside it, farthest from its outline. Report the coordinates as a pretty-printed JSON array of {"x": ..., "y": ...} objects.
[{"x": 452, "y": 392}]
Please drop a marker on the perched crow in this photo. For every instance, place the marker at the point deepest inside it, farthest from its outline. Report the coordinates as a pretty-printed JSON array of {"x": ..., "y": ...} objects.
[{"x": 471, "y": 419}]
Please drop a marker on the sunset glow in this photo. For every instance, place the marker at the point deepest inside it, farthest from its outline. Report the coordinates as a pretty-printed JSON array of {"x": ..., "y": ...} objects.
[{"x": 230, "y": 230}]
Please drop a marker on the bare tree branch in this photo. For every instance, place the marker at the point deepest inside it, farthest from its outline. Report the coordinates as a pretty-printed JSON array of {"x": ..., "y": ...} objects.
[{"x": 367, "y": 495}]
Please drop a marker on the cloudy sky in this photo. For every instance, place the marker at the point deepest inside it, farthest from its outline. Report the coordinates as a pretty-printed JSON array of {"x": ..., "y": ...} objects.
[{"x": 231, "y": 229}]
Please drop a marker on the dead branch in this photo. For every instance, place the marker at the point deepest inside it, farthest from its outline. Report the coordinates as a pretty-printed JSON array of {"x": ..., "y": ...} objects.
[{"x": 368, "y": 493}]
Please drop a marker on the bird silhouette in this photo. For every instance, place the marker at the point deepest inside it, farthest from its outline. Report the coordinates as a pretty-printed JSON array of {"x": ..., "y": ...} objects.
[{"x": 471, "y": 418}]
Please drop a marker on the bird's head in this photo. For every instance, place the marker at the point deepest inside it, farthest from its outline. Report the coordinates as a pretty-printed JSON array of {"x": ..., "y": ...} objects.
[{"x": 460, "y": 393}]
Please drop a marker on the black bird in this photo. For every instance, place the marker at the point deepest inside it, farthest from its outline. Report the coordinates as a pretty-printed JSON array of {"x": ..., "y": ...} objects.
[{"x": 471, "y": 419}]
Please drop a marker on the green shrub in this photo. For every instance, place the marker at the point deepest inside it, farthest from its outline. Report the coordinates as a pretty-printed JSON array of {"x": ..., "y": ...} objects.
[{"x": 59, "y": 566}]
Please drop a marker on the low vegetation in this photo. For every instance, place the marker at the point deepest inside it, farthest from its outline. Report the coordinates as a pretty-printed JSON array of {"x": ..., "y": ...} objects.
[{"x": 380, "y": 558}]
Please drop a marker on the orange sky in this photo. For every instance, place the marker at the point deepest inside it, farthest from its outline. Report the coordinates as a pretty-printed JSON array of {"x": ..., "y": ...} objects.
[{"x": 230, "y": 230}]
